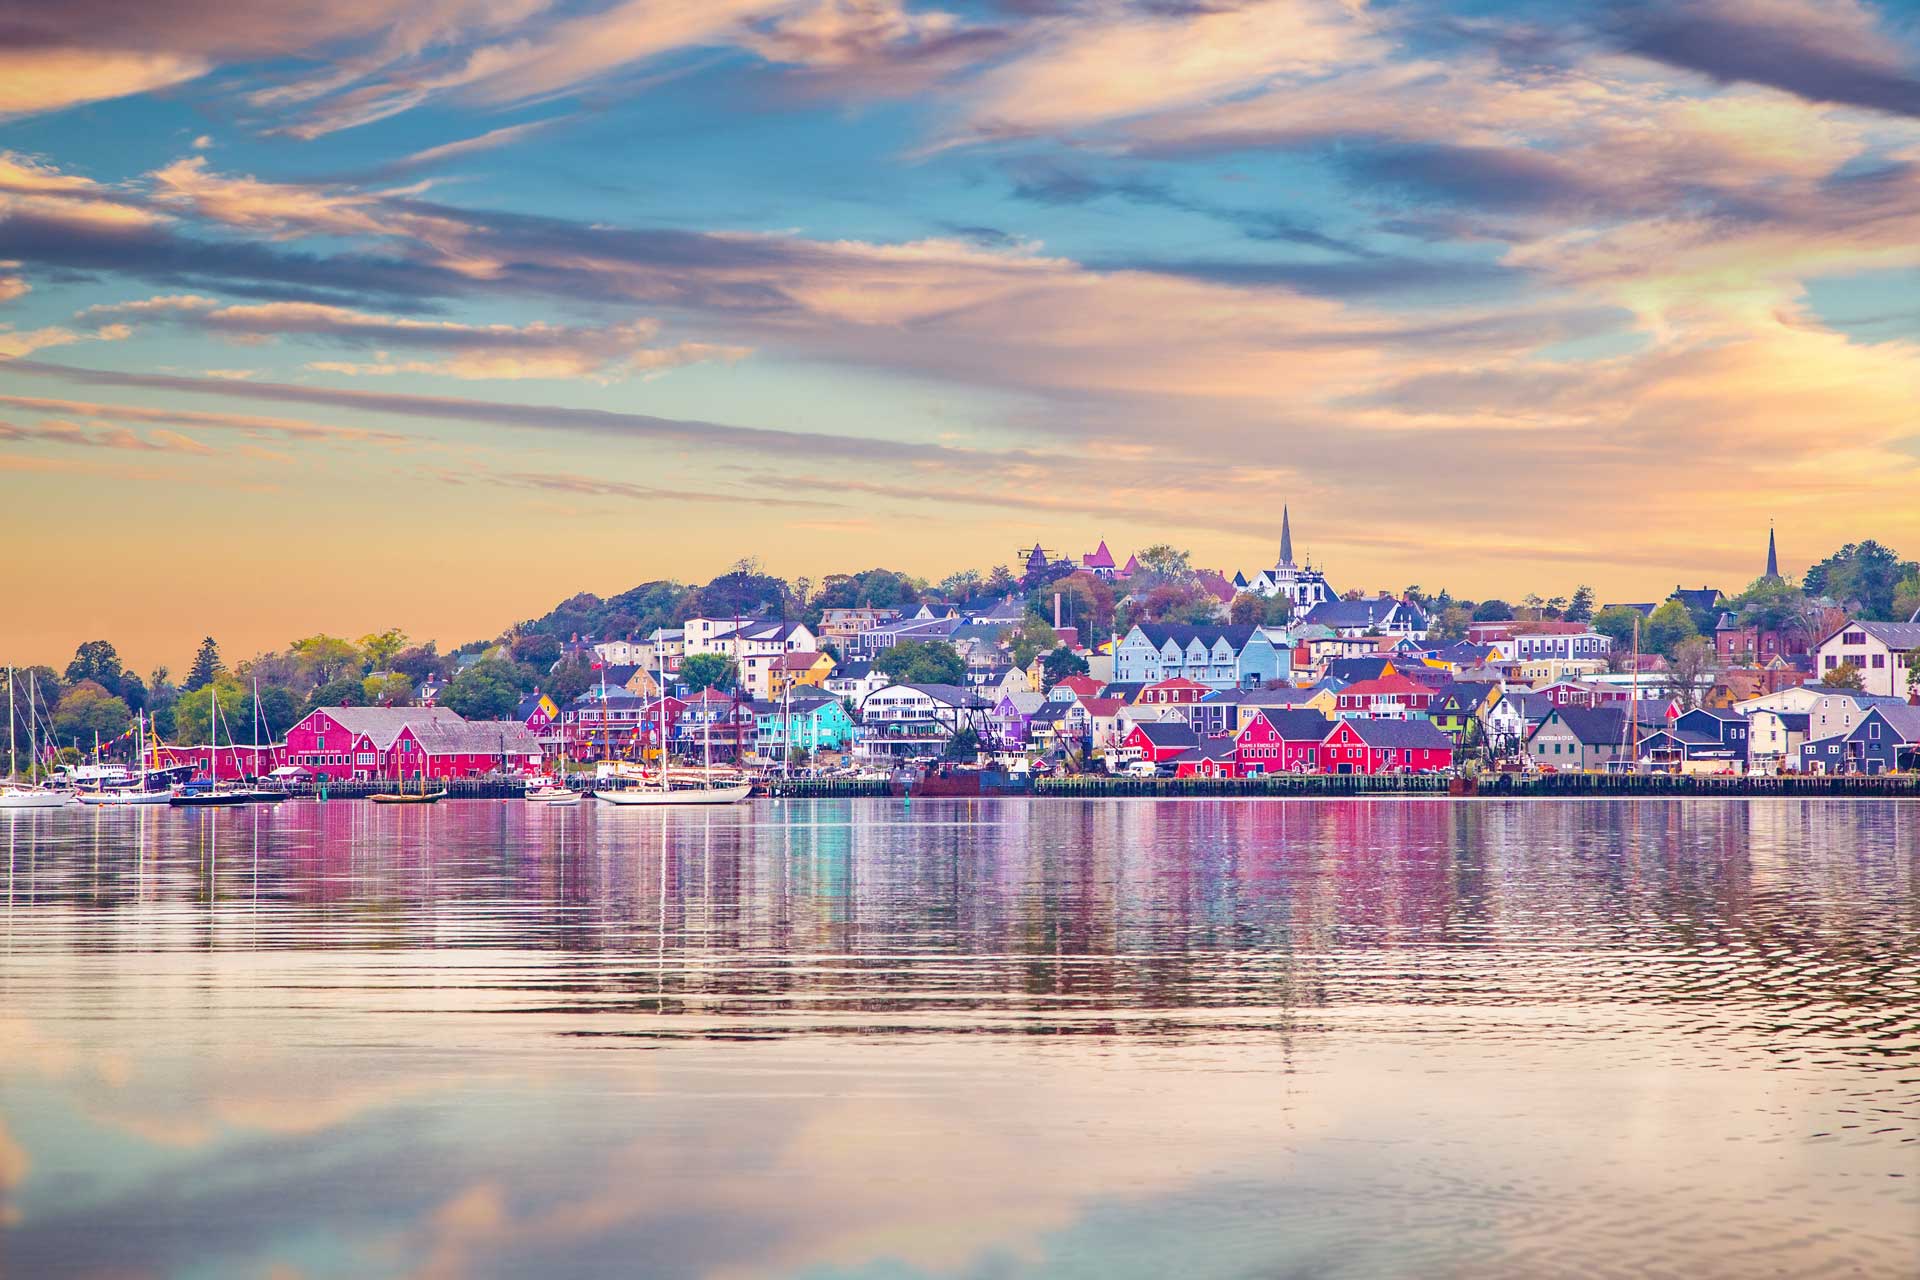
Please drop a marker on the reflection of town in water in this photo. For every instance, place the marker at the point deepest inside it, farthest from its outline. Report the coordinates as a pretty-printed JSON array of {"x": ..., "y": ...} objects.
[{"x": 962, "y": 1037}]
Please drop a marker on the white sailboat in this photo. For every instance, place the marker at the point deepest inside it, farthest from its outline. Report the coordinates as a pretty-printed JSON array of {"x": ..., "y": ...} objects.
[
  {"x": 666, "y": 793},
  {"x": 136, "y": 791},
  {"x": 554, "y": 792},
  {"x": 13, "y": 796}
]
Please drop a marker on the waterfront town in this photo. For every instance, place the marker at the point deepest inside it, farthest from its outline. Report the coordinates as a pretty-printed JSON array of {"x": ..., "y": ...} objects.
[{"x": 1077, "y": 663}]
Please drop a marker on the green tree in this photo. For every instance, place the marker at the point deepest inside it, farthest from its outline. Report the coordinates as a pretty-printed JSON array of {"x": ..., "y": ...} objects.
[
  {"x": 389, "y": 690},
  {"x": 206, "y": 665},
  {"x": 1906, "y": 599},
  {"x": 742, "y": 591},
  {"x": 1771, "y": 604},
  {"x": 1844, "y": 676},
  {"x": 487, "y": 690},
  {"x": 1865, "y": 572},
  {"x": 963, "y": 745},
  {"x": 1247, "y": 610},
  {"x": 1493, "y": 611},
  {"x": 417, "y": 663},
  {"x": 98, "y": 661},
  {"x": 326, "y": 658},
  {"x": 89, "y": 709},
  {"x": 1060, "y": 664},
  {"x": 192, "y": 717},
  {"x": 709, "y": 671},
  {"x": 1580, "y": 608},
  {"x": 914, "y": 662},
  {"x": 1451, "y": 624},
  {"x": 1670, "y": 624},
  {"x": 1616, "y": 621},
  {"x": 347, "y": 691},
  {"x": 1000, "y": 580},
  {"x": 1033, "y": 637},
  {"x": 568, "y": 681},
  {"x": 280, "y": 709},
  {"x": 537, "y": 650},
  {"x": 380, "y": 648},
  {"x": 1161, "y": 563}
]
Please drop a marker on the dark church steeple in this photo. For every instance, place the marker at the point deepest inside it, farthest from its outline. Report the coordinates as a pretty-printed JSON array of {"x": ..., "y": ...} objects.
[
  {"x": 1773, "y": 556},
  {"x": 1286, "y": 538}
]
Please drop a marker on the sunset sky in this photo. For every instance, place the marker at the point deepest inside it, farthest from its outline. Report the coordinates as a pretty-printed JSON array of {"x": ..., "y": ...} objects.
[{"x": 342, "y": 314}]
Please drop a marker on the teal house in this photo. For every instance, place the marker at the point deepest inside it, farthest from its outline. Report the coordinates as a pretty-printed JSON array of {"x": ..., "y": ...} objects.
[{"x": 818, "y": 722}]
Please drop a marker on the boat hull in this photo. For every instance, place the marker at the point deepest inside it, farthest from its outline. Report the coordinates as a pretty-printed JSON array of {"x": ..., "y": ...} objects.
[
  {"x": 209, "y": 800},
  {"x": 117, "y": 799},
  {"x": 33, "y": 800},
  {"x": 560, "y": 797},
  {"x": 690, "y": 795},
  {"x": 385, "y": 798}
]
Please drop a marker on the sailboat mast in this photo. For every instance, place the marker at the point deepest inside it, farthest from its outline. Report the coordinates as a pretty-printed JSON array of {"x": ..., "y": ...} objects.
[
  {"x": 660, "y": 716},
  {"x": 33, "y": 726},
  {"x": 12, "y": 764}
]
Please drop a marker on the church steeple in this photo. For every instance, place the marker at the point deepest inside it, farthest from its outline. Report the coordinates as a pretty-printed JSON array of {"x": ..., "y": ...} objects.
[
  {"x": 1773, "y": 556},
  {"x": 1286, "y": 539}
]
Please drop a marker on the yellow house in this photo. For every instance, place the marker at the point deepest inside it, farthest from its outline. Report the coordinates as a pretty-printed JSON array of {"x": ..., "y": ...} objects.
[{"x": 797, "y": 669}]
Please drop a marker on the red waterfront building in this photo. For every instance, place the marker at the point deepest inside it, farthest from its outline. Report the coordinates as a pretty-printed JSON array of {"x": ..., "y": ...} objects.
[
  {"x": 345, "y": 743},
  {"x": 1281, "y": 740},
  {"x": 1385, "y": 746}
]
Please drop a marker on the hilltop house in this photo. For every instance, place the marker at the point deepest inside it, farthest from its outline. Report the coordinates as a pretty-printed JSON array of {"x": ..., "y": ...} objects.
[
  {"x": 1219, "y": 657},
  {"x": 1882, "y": 652}
]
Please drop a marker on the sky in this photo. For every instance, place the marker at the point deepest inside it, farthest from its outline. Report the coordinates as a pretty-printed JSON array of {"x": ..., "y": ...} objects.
[{"x": 346, "y": 314}]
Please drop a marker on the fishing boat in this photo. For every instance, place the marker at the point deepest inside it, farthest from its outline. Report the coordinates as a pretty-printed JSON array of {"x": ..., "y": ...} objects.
[
  {"x": 13, "y": 796},
  {"x": 704, "y": 791}
]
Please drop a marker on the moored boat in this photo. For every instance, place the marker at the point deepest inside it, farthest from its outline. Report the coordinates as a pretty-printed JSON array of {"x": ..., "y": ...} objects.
[
  {"x": 733, "y": 794},
  {"x": 552, "y": 793},
  {"x": 111, "y": 797},
  {"x": 208, "y": 799},
  {"x": 407, "y": 797}
]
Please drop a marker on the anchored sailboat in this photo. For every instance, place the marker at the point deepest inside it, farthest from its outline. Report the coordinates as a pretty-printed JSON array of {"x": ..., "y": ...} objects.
[
  {"x": 705, "y": 792},
  {"x": 13, "y": 796}
]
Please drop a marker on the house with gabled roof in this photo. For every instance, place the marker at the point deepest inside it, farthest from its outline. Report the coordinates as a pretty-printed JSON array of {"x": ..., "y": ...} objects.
[
  {"x": 1219, "y": 657},
  {"x": 1385, "y": 746},
  {"x": 1280, "y": 740},
  {"x": 1389, "y": 697},
  {"x": 1208, "y": 758},
  {"x": 1158, "y": 742},
  {"x": 1882, "y": 652},
  {"x": 1576, "y": 739},
  {"x": 1382, "y": 615}
]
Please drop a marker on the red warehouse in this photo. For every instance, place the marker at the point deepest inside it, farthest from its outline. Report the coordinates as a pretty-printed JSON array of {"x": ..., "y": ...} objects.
[{"x": 1385, "y": 746}]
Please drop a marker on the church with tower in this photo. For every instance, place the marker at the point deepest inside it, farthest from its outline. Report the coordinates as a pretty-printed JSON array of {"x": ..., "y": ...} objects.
[{"x": 1303, "y": 585}]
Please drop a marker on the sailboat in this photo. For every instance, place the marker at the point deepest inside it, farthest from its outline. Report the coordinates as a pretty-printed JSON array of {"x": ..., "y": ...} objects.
[
  {"x": 18, "y": 797},
  {"x": 215, "y": 795},
  {"x": 257, "y": 794},
  {"x": 404, "y": 796},
  {"x": 553, "y": 791},
  {"x": 666, "y": 793},
  {"x": 139, "y": 789}
]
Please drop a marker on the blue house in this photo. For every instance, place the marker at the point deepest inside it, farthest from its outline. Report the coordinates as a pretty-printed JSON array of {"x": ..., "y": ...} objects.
[
  {"x": 818, "y": 724},
  {"x": 1216, "y": 656},
  {"x": 1699, "y": 741},
  {"x": 1886, "y": 740}
]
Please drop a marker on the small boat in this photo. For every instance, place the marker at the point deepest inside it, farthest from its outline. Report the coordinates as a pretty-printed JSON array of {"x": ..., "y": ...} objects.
[
  {"x": 115, "y": 796},
  {"x": 267, "y": 795},
  {"x": 33, "y": 798},
  {"x": 407, "y": 797},
  {"x": 209, "y": 799},
  {"x": 678, "y": 795},
  {"x": 552, "y": 793}
]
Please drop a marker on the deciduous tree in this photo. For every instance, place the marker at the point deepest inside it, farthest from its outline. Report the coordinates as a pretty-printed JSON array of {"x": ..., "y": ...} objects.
[{"x": 708, "y": 671}]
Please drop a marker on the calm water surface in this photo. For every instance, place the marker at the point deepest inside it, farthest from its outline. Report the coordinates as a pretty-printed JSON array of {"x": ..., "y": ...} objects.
[{"x": 824, "y": 1039}]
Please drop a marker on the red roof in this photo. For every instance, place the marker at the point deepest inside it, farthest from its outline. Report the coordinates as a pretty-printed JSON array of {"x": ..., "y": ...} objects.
[
  {"x": 1180, "y": 682},
  {"x": 1103, "y": 706},
  {"x": 1080, "y": 686},
  {"x": 1100, "y": 559}
]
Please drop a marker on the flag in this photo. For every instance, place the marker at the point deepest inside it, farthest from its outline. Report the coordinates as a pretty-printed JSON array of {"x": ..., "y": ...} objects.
[
  {"x": 1673, "y": 709},
  {"x": 596, "y": 666}
]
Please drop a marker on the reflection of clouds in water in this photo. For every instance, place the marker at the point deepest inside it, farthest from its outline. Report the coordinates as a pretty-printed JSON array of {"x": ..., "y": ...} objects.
[{"x": 479, "y": 1042}]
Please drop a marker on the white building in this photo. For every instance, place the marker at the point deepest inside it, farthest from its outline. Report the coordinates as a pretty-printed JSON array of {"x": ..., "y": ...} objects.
[
  {"x": 904, "y": 722},
  {"x": 1305, "y": 587},
  {"x": 1882, "y": 651},
  {"x": 752, "y": 644}
]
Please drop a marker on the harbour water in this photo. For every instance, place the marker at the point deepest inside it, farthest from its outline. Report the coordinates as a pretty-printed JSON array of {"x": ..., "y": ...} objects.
[{"x": 868, "y": 1038}]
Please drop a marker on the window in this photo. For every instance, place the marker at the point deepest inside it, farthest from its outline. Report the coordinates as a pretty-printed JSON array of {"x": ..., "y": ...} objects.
[
  {"x": 1854, "y": 637},
  {"x": 1873, "y": 731},
  {"x": 1879, "y": 661}
]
